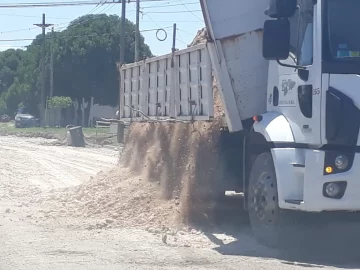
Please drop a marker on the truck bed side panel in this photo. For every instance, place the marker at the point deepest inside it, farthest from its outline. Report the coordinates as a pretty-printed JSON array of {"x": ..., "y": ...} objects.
[
  {"x": 235, "y": 29},
  {"x": 168, "y": 86}
]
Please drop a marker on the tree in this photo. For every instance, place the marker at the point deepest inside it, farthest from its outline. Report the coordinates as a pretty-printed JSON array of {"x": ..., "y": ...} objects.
[
  {"x": 84, "y": 64},
  {"x": 59, "y": 102},
  {"x": 10, "y": 61},
  {"x": 3, "y": 107},
  {"x": 17, "y": 93},
  {"x": 87, "y": 53}
]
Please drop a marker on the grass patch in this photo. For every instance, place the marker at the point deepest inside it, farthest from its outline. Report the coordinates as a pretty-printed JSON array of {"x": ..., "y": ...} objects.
[{"x": 93, "y": 135}]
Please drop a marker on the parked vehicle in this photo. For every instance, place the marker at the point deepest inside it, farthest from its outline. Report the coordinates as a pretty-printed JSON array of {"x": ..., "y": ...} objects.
[
  {"x": 5, "y": 118},
  {"x": 24, "y": 120}
]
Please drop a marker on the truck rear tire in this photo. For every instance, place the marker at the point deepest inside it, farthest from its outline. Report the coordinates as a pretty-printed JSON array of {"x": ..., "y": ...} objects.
[{"x": 269, "y": 223}]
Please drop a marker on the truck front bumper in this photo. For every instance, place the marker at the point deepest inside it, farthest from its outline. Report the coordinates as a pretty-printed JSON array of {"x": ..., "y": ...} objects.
[{"x": 303, "y": 186}]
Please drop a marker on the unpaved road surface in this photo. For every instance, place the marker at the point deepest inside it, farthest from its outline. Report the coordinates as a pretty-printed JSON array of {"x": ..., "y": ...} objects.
[{"x": 28, "y": 240}]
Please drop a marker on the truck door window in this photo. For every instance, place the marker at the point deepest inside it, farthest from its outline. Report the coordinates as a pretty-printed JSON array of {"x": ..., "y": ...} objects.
[
  {"x": 343, "y": 18},
  {"x": 306, "y": 31},
  {"x": 294, "y": 27},
  {"x": 301, "y": 36}
]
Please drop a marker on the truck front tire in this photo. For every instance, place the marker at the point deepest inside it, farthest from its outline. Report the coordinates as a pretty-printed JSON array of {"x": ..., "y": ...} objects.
[{"x": 269, "y": 223}]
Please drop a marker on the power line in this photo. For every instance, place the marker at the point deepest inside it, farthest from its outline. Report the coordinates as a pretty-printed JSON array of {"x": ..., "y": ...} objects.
[
  {"x": 30, "y": 16},
  {"x": 74, "y": 36},
  {"x": 170, "y": 5},
  {"x": 190, "y": 10},
  {"x": 127, "y": 12},
  {"x": 154, "y": 29},
  {"x": 112, "y": 4},
  {"x": 61, "y": 28},
  {"x": 86, "y": 20},
  {"x": 169, "y": 12},
  {"x": 185, "y": 32},
  {"x": 59, "y": 4},
  {"x": 161, "y": 28},
  {"x": 173, "y": 21},
  {"x": 98, "y": 5},
  {"x": 94, "y": 8},
  {"x": 18, "y": 30},
  {"x": 107, "y": 8}
]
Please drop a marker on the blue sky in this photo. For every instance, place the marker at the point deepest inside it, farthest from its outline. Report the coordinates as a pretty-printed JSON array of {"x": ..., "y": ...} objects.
[{"x": 17, "y": 23}]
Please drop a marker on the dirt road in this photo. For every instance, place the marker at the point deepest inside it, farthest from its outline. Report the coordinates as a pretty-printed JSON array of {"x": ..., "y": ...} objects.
[{"x": 33, "y": 236}]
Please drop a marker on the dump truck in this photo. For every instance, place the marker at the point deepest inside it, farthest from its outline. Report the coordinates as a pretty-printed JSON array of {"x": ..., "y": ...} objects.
[{"x": 287, "y": 73}]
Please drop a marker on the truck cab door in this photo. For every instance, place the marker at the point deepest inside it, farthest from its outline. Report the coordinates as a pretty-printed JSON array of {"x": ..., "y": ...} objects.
[{"x": 298, "y": 94}]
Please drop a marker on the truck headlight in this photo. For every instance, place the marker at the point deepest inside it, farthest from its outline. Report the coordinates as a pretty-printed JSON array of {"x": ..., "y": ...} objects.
[
  {"x": 341, "y": 162},
  {"x": 338, "y": 162},
  {"x": 332, "y": 189}
]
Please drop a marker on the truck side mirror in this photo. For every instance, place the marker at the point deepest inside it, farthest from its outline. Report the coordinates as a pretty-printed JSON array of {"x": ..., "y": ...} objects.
[
  {"x": 281, "y": 9},
  {"x": 276, "y": 39}
]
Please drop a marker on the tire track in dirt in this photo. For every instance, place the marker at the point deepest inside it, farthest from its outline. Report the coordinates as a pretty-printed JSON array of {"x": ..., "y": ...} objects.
[
  {"x": 63, "y": 168},
  {"x": 47, "y": 167}
]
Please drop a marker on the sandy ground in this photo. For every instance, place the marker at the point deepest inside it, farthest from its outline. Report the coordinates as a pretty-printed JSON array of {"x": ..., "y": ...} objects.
[{"x": 55, "y": 214}]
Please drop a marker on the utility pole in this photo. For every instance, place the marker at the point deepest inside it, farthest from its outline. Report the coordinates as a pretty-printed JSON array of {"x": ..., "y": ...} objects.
[
  {"x": 52, "y": 64},
  {"x": 122, "y": 32},
  {"x": 173, "y": 48},
  {"x": 137, "y": 33},
  {"x": 43, "y": 25},
  {"x": 122, "y": 47}
]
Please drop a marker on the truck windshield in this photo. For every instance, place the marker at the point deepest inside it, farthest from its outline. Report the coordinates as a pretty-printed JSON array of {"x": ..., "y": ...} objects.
[{"x": 342, "y": 20}]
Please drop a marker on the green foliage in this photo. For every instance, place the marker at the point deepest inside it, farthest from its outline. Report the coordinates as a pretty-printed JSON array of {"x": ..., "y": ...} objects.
[
  {"x": 59, "y": 102},
  {"x": 17, "y": 93},
  {"x": 85, "y": 57},
  {"x": 3, "y": 107}
]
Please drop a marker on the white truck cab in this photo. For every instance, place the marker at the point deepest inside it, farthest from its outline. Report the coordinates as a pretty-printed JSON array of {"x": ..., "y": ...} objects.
[
  {"x": 312, "y": 118},
  {"x": 313, "y": 72}
]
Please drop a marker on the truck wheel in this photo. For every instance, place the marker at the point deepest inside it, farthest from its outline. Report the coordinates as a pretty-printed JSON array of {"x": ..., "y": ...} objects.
[{"x": 267, "y": 220}]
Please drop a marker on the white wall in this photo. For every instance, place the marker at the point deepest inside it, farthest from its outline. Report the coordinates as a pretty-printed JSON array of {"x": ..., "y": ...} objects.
[{"x": 99, "y": 111}]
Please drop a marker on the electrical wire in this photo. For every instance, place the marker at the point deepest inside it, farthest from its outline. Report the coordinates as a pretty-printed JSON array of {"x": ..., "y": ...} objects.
[
  {"x": 75, "y": 36},
  {"x": 30, "y": 16},
  {"x": 160, "y": 28},
  {"x": 186, "y": 32},
  {"x": 111, "y": 4},
  {"x": 155, "y": 29},
  {"x": 169, "y": 12},
  {"x": 170, "y": 5},
  {"x": 98, "y": 5},
  {"x": 19, "y": 30},
  {"x": 94, "y": 8},
  {"x": 65, "y": 3},
  {"x": 101, "y": 3},
  {"x": 106, "y": 9},
  {"x": 191, "y": 11}
]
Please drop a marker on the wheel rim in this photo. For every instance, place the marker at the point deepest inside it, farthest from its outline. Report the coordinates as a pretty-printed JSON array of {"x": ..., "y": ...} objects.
[{"x": 263, "y": 201}]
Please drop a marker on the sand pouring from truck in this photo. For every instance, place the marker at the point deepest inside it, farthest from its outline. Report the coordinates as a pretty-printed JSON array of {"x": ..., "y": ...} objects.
[{"x": 287, "y": 73}]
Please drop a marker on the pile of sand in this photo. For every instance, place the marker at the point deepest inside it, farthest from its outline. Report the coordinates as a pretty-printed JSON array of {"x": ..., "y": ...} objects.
[
  {"x": 118, "y": 197},
  {"x": 200, "y": 38}
]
